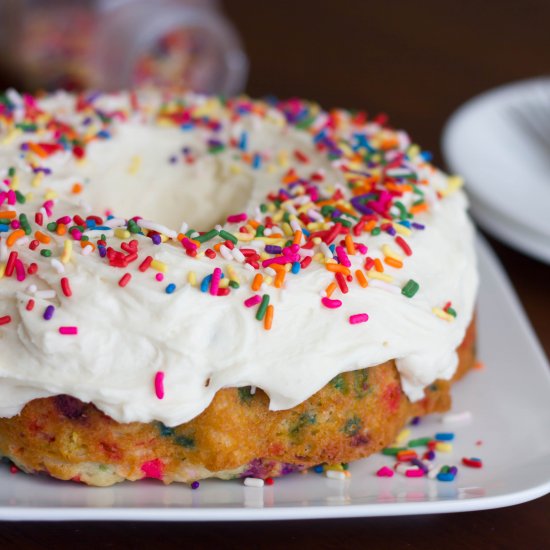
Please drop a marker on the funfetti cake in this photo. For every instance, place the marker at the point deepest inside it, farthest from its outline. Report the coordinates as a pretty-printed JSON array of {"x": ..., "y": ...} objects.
[{"x": 195, "y": 287}]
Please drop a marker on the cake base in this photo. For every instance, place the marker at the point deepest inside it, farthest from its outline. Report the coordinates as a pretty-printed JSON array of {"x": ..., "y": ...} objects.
[{"x": 356, "y": 414}]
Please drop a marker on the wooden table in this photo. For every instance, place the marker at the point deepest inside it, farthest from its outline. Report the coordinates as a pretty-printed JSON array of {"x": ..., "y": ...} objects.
[{"x": 417, "y": 61}]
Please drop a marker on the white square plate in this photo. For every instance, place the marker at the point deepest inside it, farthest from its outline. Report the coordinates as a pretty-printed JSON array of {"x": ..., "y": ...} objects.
[{"x": 509, "y": 432}]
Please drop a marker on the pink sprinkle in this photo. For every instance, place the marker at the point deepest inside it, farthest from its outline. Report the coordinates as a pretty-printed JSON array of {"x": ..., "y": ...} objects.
[
  {"x": 215, "y": 282},
  {"x": 358, "y": 318},
  {"x": 237, "y": 218},
  {"x": 188, "y": 245},
  {"x": 331, "y": 304},
  {"x": 12, "y": 198},
  {"x": 153, "y": 468},
  {"x": 253, "y": 300},
  {"x": 362, "y": 248},
  {"x": 159, "y": 384},
  {"x": 385, "y": 472},
  {"x": 15, "y": 224},
  {"x": 342, "y": 256},
  {"x": 68, "y": 331},
  {"x": 19, "y": 270},
  {"x": 414, "y": 472},
  {"x": 159, "y": 277}
]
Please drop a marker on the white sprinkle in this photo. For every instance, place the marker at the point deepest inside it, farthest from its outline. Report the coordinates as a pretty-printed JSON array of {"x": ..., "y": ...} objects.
[
  {"x": 267, "y": 231},
  {"x": 325, "y": 250},
  {"x": 238, "y": 255},
  {"x": 45, "y": 294},
  {"x": 253, "y": 482},
  {"x": 115, "y": 222},
  {"x": 31, "y": 289},
  {"x": 457, "y": 418},
  {"x": 252, "y": 390},
  {"x": 306, "y": 252},
  {"x": 184, "y": 227},
  {"x": 270, "y": 271},
  {"x": 23, "y": 241},
  {"x": 249, "y": 267},
  {"x": 335, "y": 474},
  {"x": 225, "y": 252},
  {"x": 314, "y": 215},
  {"x": 159, "y": 228},
  {"x": 58, "y": 266},
  {"x": 432, "y": 474},
  {"x": 87, "y": 250}
]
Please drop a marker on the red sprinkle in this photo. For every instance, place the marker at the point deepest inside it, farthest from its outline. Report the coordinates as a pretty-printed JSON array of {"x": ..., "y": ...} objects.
[
  {"x": 66, "y": 287},
  {"x": 5, "y": 320},
  {"x": 30, "y": 305},
  {"x": 341, "y": 283},
  {"x": 125, "y": 279},
  {"x": 472, "y": 462},
  {"x": 404, "y": 246},
  {"x": 144, "y": 266},
  {"x": 10, "y": 265}
]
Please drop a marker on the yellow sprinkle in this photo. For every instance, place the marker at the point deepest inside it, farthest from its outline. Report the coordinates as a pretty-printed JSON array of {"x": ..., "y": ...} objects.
[
  {"x": 268, "y": 279},
  {"x": 317, "y": 240},
  {"x": 278, "y": 216},
  {"x": 387, "y": 250},
  {"x": 232, "y": 274},
  {"x": 373, "y": 274},
  {"x": 2, "y": 270},
  {"x": 454, "y": 183},
  {"x": 37, "y": 180},
  {"x": 271, "y": 168},
  {"x": 10, "y": 136},
  {"x": 50, "y": 194},
  {"x": 442, "y": 314},
  {"x": 264, "y": 256},
  {"x": 271, "y": 207},
  {"x": 191, "y": 278},
  {"x": 333, "y": 467},
  {"x": 413, "y": 151},
  {"x": 305, "y": 207},
  {"x": 244, "y": 236},
  {"x": 442, "y": 447},
  {"x": 67, "y": 251},
  {"x": 224, "y": 283},
  {"x": 135, "y": 164},
  {"x": 122, "y": 233},
  {"x": 282, "y": 158},
  {"x": 235, "y": 169},
  {"x": 319, "y": 257},
  {"x": 287, "y": 230},
  {"x": 401, "y": 229},
  {"x": 402, "y": 436},
  {"x": 15, "y": 182},
  {"x": 159, "y": 266},
  {"x": 270, "y": 240}
]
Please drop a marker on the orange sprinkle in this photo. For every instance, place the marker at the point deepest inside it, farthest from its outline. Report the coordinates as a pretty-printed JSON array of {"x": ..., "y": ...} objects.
[
  {"x": 393, "y": 262},
  {"x": 330, "y": 289},
  {"x": 217, "y": 247},
  {"x": 37, "y": 150},
  {"x": 276, "y": 236},
  {"x": 297, "y": 237},
  {"x": 15, "y": 236},
  {"x": 416, "y": 209},
  {"x": 61, "y": 229},
  {"x": 369, "y": 226},
  {"x": 257, "y": 282},
  {"x": 350, "y": 246},
  {"x": 290, "y": 176},
  {"x": 389, "y": 143},
  {"x": 42, "y": 237},
  {"x": 337, "y": 268},
  {"x": 378, "y": 265},
  {"x": 280, "y": 278},
  {"x": 253, "y": 223},
  {"x": 76, "y": 188},
  {"x": 268, "y": 319},
  {"x": 361, "y": 279},
  {"x": 84, "y": 244},
  {"x": 9, "y": 214}
]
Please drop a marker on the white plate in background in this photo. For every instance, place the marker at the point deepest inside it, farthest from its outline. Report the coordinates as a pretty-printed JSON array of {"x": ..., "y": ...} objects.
[
  {"x": 500, "y": 143},
  {"x": 509, "y": 401}
]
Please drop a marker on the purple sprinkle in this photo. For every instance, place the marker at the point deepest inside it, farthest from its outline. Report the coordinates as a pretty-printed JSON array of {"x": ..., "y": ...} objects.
[
  {"x": 430, "y": 455},
  {"x": 273, "y": 249},
  {"x": 195, "y": 485},
  {"x": 420, "y": 464},
  {"x": 418, "y": 225},
  {"x": 172, "y": 160},
  {"x": 156, "y": 238},
  {"x": 453, "y": 470},
  {"x": 48, "y": 314},
  {"x": 415, "y": 421},
  {"x": 391, "y": 231},
  {"x": 102, "y": 251}
]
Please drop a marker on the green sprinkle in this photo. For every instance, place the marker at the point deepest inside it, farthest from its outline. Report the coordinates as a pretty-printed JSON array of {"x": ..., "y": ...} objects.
[
  {"x": 392, "y": 451},
  {"x": 5, "y": 221},
  {"x": 11, "y": 172},
  {"x": 207, "y": 236},
  {"x": 234, "y": 284},
  {"x": 376, "y": 231},
  {"x": 327, "y": 210},
  {"x": 52, "y": 226},
  {"x": 133, "y": 227},
  {"x": 263, "y": 208},
  {"x": 339, "y": 382},
  {"x": 260, "y": 231},
  {"x": 410, "y": 288},
  {"x": 343, "y": 221},
  {"x": 84, "y": 238},
  {"x": 20, "y": 197},
  {"x": 228, "y": 236},
  {"x": 46, "y": 252},
  {"x": 23, "y": 220},
  {"x": 263, "y": 307},
  {"x": 420, "y": 442},
  {"x": 451, "y": 311}
]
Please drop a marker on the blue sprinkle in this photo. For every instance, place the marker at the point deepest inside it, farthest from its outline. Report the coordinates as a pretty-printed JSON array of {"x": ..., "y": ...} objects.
[
  {"x": 445, "y": 476},
  {"x": 445, "y": 436},
  {"x": 306, "y": 232},
  {"x": 205, "y": 283},
  {"x": 405, "y": 223},
  {"x": 91, "y": 223},
  {"x": 103, "y": 134},
  {"x": 332, "y": 248},
  {"x": 243, "y": 142},
  {"x": 427, "y": 156},
  {"x": 4, "y": 228},
  {"x": 318, "y": 469},
  {"x": 170, "y": 288},
  {"x": 257, "y": 161},
  {"x": 187, "y": 126},
  {"x": 296, "y": 267}
]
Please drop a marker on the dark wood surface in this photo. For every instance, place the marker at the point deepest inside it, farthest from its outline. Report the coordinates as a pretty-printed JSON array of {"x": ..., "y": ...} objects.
[{"x": 417, "y": 61}]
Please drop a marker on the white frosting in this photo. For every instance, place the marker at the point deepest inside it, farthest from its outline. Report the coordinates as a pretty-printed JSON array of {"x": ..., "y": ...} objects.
[{"x": 200, "y": 342}]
